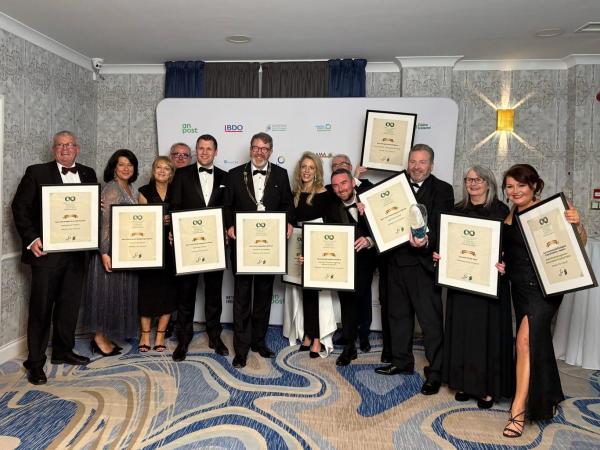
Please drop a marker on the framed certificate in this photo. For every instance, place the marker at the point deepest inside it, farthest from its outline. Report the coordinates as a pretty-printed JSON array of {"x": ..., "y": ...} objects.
[
  {"x": 328, "y": 257},
  {"x": 469, "y": 251},
  {"x": 387, "y": 140},
  {"x": 294, "y": 251},
  {"x": 70, "y": 214},
  {"x": 198, "y": 241},
  {"x": 136, "y": 233},
  {"x": 260, "y": 243},
  {"x": 558, "y": 255},
  {"x": 387, "y": 207}
]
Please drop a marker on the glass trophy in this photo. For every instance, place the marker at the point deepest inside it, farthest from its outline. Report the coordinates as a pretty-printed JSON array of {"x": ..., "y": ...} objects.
[{"x": 418, "y": 220}]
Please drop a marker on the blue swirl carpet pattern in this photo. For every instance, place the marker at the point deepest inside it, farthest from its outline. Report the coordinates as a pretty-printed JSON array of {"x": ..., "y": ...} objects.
[{"x": 147, "y": 401}]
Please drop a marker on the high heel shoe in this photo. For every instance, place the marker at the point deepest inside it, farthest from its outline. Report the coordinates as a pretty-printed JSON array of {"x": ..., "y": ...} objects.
[
  {"x": 116, "y": 346},
  {"x": 316, "y": 354},
  {"x": 305, "y": 348},
  {"x": 159, "y": 347},
  {"x": 94, "y": 348},
  {"x": 519, "y": 425},
  {"x": 144, "y": 348}
]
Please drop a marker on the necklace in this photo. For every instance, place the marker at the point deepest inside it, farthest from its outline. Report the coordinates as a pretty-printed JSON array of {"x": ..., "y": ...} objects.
[{"x": 259, "y": 204}]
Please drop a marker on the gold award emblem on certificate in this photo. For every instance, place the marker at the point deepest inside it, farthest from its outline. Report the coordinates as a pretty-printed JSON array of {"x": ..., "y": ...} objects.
[
  {"x": 388, "y": 141},
  {"x": 329, "y": 256},
  {"x": 197, "y": 236},
  {"x": 392, "y": 218},
  {"x": 555, "y": 248},
  {"x": 69, "y": 213},
  {"x": 262, "y": 247},
  {"x": 469, "y": 253},
  {"x": 136, "y": 236}
]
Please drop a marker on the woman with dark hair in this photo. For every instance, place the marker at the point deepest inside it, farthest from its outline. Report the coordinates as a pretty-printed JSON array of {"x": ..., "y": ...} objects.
[
  {"x": 157, "y": 287},
  {"x": 538, "y": 388},
  {"x": 111, "y": 300},
  {"x": 478, "y": 355}
]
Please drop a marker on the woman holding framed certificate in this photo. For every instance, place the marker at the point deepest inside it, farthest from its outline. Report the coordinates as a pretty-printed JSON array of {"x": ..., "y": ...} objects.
[
  {"x": 538, "y": 388},
  {"x": 111, "y": 298},
  {"x": 478, "y": 355},
  {"x": 311, "y": 202}
]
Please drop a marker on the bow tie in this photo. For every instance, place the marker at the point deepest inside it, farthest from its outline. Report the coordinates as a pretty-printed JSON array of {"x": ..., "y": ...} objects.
[
  {"x": 66, "y": 170},
  {"x": 417, "y": 185},
  {"x": 349, "y": 207},
  {"x": 262, "y": 172},
  {"x": 204, "y": 169}
]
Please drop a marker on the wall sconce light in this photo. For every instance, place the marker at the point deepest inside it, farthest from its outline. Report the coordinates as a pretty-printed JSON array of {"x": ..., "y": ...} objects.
[{"x": 505, "y": 119}]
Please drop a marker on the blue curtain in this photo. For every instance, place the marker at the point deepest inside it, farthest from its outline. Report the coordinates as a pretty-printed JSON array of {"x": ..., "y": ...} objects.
[
  {"x": 184, "y": 79},
  {"x": 347, "y": 77}
]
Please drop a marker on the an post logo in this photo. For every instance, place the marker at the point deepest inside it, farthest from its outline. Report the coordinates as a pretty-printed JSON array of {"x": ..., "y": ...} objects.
[
  {"x": 323, "y": 126},
  {"x": 233, "y": 128},
  {"x": 186, "y": 128}
]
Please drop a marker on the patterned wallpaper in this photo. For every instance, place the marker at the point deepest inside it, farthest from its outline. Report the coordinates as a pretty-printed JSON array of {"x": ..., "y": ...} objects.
[{"x": 43, "y": 93}]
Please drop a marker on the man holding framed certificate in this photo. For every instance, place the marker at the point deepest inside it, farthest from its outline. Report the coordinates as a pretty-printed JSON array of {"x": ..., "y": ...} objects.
[
  {"x": 411, "y": 285},
  {"x": 200, "y": 185},
  {"x": 57, "y": 278},
  {"x": 255, "y": 186}
]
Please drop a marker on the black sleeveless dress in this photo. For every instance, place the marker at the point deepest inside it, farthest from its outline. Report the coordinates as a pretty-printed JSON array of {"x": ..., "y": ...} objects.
[
  {"x": 157, "y": 290},
  {"x": 545, "y": 391}
]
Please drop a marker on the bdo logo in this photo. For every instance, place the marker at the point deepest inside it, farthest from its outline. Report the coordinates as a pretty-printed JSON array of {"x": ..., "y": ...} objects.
[{"x": 234, "y": 128}]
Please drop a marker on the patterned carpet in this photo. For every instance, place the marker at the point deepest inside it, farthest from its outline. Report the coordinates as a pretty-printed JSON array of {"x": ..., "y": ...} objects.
[{"x": 146, "y": 401}]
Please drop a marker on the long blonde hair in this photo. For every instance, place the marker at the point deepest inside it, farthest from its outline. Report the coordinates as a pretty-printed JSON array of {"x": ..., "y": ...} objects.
[{"x": 317, "y": 184}]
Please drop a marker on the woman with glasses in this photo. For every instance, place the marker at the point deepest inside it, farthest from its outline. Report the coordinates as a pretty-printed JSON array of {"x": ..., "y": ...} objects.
[{"x": 478, "y": 357}]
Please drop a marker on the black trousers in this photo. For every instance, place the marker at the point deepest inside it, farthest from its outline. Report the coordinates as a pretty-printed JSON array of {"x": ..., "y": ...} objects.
[
  {"x": 251, "y": 312},
  {"x": 383, "y": 301},
  {"x": 411, "y": 289},
  {"x": 213, "y": 307},
  {"x": 310, "y": 308},
  {"x": 55, "y": 298}
]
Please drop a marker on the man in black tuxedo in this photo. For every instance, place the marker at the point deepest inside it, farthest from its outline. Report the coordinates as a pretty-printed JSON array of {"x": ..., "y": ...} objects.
[
  {"x": 256, "y": 185},
  {"x": 56, "y": 278},
  {"x": 353, "y": 304},
  {"x": 197, "y": 186},
  {"x": 411, "y": 284}
]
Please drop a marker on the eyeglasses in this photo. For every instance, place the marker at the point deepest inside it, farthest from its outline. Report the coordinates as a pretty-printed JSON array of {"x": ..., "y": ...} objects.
[
  {"x": 473, "y": 180},
  {"x": 68, "y": 145},
  {"x": 257, "y": 149},
  {"x": 180, "y": 155}
]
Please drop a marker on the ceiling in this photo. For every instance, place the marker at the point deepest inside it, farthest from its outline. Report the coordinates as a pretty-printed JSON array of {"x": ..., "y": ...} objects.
[{"x": 152, "y": 31}]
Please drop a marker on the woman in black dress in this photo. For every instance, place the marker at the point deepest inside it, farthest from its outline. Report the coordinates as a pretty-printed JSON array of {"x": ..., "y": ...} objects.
[
  {"x": 157, "y": 287},
  {"x": 311, "y": 201},
  {"x": 478, "y": 348},
  {"x": 538, "y": 389}
]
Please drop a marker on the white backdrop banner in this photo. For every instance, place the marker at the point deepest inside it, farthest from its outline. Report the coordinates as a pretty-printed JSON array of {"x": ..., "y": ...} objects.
[{"x": 325, "y": 126}]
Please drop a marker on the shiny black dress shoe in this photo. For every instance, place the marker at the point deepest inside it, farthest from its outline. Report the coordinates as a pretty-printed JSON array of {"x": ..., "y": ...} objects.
[
  {"x": 485, "y": 404},
  {"x": 180, "y": 352},
  {"x": 238, "y": 362},
  {"x": 264, "y": 351},
  {"x": 393, "y": 370},
  {"x": 364, "y": 344},
  {"x": 36, "y": 376},
  {"x": 70, "y": 358},
  {"x": 346, "y": 357},
  {"x": 462, "y": 397},
  {"x": 219, "y": 347},
  {"x": 94, "y": 348},
  {"x": 431, "y": 387}
]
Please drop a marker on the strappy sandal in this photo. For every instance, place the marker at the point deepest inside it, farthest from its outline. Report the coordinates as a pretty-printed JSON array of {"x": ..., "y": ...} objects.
[
  {"x": 143, "y": 348},
  {"x": 160, "y": 347},
  {"x": 519, "y": 424}
]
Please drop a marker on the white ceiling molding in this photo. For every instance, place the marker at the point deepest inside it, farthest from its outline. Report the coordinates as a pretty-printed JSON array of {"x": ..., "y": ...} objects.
[
  {"x": 507, "y": 65},
  {"x": 120, "y": 69},
  {"x": 41, "y": 40},
  {"x": 577, "y": 60},
  {"x": 382, "y": 67},
  {"x": 427, "y": 61}
]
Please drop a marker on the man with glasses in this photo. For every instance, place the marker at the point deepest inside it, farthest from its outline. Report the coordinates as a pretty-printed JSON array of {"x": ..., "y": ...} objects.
[
  {"x": 56, "y": 278},
  {"x": 180, "y": 154},
  {"x": 342, "y": 161},
  {"x": 256, "y": 185}
]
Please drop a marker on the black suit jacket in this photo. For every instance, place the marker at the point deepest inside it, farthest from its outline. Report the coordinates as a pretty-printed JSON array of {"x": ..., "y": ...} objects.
[
  {"x": 438, "y": 197},
  {"x": 185, "y": 191},
  {"x": 26, "y": 206},
  {"x": 277, "y": 194}
]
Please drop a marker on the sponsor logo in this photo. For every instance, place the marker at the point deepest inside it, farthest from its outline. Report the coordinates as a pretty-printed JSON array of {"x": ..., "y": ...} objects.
[
  {"x": 323, "y": 126},
  {"x": 231, "y": 161},
  {"x": 324, "y": 155},
  {"x": 277, "y": 299},
  {"x": 229, "y": 299},
  {"x": 277, "y": 127},
  {"x": 281, "y": 159},
  {"x": 423, "y": 126},
  {"x": 234, "y": 128},
  {"x": 187, "y": 128}
]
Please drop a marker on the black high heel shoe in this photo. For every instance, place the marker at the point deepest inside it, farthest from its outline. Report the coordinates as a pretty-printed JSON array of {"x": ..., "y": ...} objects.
[
  {"x": 96, "y": 349},
  {"x": 305, "y": 348},
  {"x": 316, "y": 354}
]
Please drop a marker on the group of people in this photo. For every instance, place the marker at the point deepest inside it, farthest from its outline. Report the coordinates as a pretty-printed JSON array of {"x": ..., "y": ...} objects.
[{"x": 473, "y": 352}]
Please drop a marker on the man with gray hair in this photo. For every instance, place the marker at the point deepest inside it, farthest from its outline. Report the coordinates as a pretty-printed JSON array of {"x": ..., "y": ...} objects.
[
  {"x": 180, "y": 154},
  {"x": 56, "y": 278}
]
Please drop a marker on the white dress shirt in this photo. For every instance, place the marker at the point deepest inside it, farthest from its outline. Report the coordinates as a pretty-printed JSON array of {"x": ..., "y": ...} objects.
[{"x": 206, "y": 181}]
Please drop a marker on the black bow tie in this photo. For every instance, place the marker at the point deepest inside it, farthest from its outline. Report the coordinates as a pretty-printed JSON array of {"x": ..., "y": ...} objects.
[
  {"x": 417, "y": 185},
  {"x": 204, "y": 169},
  {"x": 262, "y": 172},
  {"x": 349, "y": 207},
  {"x": 66, "y": 170}
]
